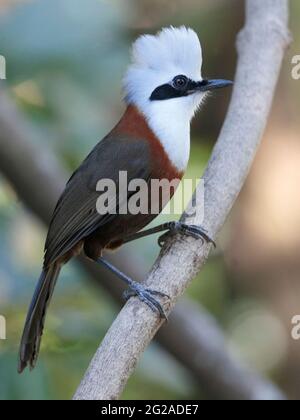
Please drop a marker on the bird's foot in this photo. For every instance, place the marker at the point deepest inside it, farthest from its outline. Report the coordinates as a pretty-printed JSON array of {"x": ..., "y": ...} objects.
[
  {"x": 196, "y": 232},
  {"x": 148, "y": 297}
]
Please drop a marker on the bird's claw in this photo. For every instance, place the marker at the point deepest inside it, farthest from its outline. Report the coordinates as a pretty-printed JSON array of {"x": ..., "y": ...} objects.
[
  {"x": 196, "y": 232},
  {"x": 147, "y": 296},
  {"x": 163, "y": 238}
]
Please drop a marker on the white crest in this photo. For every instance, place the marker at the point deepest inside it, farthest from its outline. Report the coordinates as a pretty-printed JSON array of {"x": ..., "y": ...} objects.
[
  {"x": 177, "y": 47},
  {"x": 156, "y": 60}
]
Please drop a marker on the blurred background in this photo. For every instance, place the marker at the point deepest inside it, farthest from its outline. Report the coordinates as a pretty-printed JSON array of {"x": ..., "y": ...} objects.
[{"x": 65, "y": 61}]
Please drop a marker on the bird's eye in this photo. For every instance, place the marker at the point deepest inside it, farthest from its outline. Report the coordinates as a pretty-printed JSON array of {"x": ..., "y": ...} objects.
[{"x": 180, "y": 82}]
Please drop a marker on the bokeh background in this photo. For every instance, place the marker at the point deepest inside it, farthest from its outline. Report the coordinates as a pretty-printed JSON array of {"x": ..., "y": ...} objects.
[{"x": 65, "y": 61}]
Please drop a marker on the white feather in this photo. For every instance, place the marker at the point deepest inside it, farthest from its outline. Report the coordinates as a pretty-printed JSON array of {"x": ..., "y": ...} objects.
[{"x": 156, "y": 60}]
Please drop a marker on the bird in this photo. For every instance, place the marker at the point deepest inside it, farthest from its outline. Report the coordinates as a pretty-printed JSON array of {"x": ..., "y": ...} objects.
[{"x": 163, "y": 89}]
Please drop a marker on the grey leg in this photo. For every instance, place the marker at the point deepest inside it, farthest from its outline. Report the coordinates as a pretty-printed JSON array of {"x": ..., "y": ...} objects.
[{"x": 136, "y": 289}]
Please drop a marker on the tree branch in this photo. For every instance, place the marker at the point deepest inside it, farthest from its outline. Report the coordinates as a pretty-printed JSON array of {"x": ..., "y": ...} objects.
[{"x": 261, "y": 47}]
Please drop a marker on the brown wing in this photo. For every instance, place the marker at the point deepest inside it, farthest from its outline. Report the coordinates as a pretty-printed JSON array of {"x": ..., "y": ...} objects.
[{"x": 75, "y": 216}]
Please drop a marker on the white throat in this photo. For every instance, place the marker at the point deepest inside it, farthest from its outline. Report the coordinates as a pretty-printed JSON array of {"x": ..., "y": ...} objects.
[{"x": 170, "y": 122}]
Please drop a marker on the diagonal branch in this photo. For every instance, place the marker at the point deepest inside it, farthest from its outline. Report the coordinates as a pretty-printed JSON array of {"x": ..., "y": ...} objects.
[{"x": 261, "y": 47}]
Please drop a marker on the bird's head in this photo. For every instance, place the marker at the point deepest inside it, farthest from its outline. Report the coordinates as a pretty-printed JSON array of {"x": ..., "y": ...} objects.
[{"x": 164, "y": 78}]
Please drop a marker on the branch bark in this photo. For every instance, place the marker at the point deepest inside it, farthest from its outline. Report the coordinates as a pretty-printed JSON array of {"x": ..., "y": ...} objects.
[{"x": 261, "y": 47}]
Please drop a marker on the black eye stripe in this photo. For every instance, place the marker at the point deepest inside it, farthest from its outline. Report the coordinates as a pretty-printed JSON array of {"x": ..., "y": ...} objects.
[
  {"x": 166, "y": 91},
  {"x": 169, "y": 90}
]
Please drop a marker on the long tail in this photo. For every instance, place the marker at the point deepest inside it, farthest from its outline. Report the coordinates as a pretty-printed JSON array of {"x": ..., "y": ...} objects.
[{"x": 34, "y": 324}]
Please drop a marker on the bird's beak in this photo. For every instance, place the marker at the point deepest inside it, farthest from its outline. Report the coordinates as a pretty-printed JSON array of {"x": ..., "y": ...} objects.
[{"x": 208, "y": 85}]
